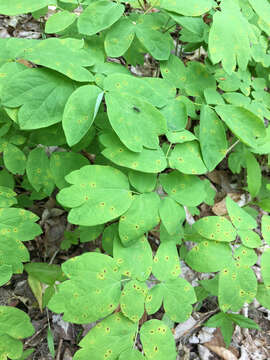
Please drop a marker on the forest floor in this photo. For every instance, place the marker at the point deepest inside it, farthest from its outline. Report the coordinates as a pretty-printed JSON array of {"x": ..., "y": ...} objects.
[{"x": 194, "y": 341}]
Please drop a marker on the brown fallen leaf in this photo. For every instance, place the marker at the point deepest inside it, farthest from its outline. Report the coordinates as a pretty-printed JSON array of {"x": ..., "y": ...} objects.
[
  {"x": 220, "y": 209},
  {"x": 217, "y": 345}
]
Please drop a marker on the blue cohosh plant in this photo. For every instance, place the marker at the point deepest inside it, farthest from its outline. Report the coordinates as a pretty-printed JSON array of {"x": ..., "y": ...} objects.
[{"x": 132, "y": 154}]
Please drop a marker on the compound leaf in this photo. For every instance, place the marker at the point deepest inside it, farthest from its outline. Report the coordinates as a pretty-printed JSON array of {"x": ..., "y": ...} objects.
[
  {"x": 132, "y": 300},
  {"x": 134, "y": 261},
  {"x": 229, "y": 38},
  {"x": 80, "y": 111},
  {"x": 157, "y": 340},
  {"x": 166, "y": 264},
  {"x": 136, "y": 221},
  {"x": 212, "y": 138},
  {"x": 41, "y": 95},
  {"x": 62, "y": 163},
  {"x": 262, "y": 8},
  {"x": 245, "y": 256},
  {"x": 239, "y": 217},
  {"x": 93, "y": 279},
  {"x": 185, "y": 189},
  {"x": 192, "y": 8},
  {"x": 99, "y": 15},
  {"x": 98, "y": 194},
  {"x": 14, "y": 325},
  {"x": 215, "y": 228},
  {"x": 187, "y": 158},
  {"x": 111, "y": 337}
]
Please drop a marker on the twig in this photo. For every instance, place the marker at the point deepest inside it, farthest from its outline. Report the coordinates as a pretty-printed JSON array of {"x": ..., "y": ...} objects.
[
  {"x": 232, "y": 146},
  {"x": 57, "y": 357},
  {"x": 35, "y": 335}
]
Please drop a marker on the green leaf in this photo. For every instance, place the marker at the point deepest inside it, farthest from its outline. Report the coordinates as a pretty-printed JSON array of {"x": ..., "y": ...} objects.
[
  {"x": 22, "y": 6},
  {"x": 16, "y": 225},
  {"x": 132, "y": 300},
  {"x": 222, "y": 321},
  {"x": 7, "y": 197},
  {"x": 143, "y": 182},
  {"x": 59, "y": 22},
  {"x": 245, "y": 256},
  {"x": 263, "y": 295},
  {"x": 249, "y": 238},
  {"x": 213, "y": 97},
  {"x": 187, "y": 159},
  {"x": 134, "y": 261},
  {"x": 111, "y": 337},
  {"x": 152, "y": 90},
  {"x": 14, "y": 326},
  {"x": 98, "y": 194},
  {"x": 50, "y": 341},
  {"x": 62, "y": 163},
  {"x": 173, "y": 70},
  {"x": 41, "y": 95},
  {"x": 229, "y": 37},
  {"x": 154, "y": 299},
  {"x": 45, "y": 273},
  {"x": 254, "y": 174},
  {"x": 99, "y": 15},
  {"x": 243, "y": 321},
  {"x": 38, "y": 171},
  {"x": 14, "y": 159},
  {"x": 5, "y": 274},
  {"x": 265, "y": 267},
  {"x": 66, "y": 56},
  {"x": 243, "y": 123},
  {"x": 132, "y": 354},
  {"x": 215, "y": 228},
  {"x": 237, "y": 286},
  {"x": 192, "y": 8},
  {"x": 262, "y": 8},
  {"x": 119, "y": 37},
  {"x": 213, "y": 147},
  {"x": 149, "y": 32},
  {"x": 36, "y": 287},
  {"x": 157, "y": 340},
  {"x": 93, "y": 279},
  {"x": 178, "y": 297},
  {"x": 175, "y": 112},
  {"x": 266, "y": 228},
  {"x": 80, "y": 112},
  {"x": 218, "y": 256},
  {"x": 187, "y": 190},
  {"x": 198, "y": 79},
  {"x": 90, "y": 233},
  {"x": 171, "y": 214},
  {"x": 135, "y": 121},
  {"x": 136, "y": 221},
  {"x": 180, "y": 136},
  {"x": 148, "y": 160},
  {"x": 166, "y": 264},
  {"x": 239, "y": 217}
]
